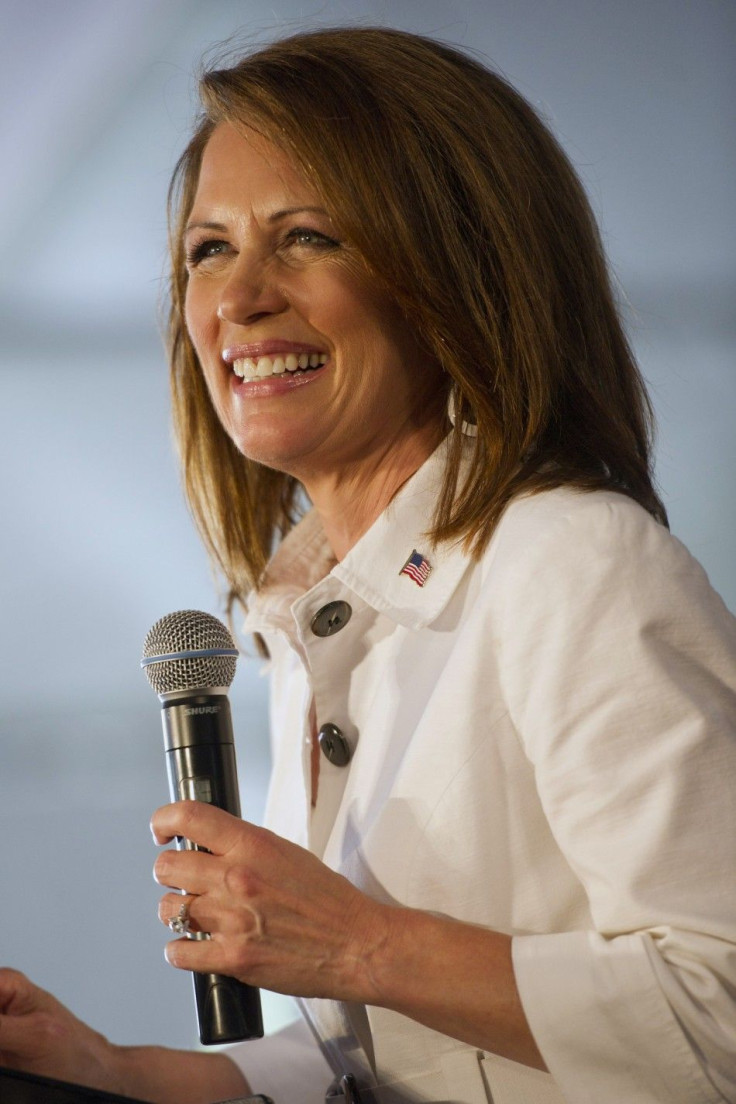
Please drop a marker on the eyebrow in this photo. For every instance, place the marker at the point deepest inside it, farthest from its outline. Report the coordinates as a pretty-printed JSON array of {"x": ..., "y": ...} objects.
[
  {"x": 275, "y": 217},
  {"x": 219, "y": 226},
  {"x": 296, "y": 211}
]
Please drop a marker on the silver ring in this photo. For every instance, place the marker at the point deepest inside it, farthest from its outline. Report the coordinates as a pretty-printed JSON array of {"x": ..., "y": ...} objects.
[{"x": 180, "y": 924}]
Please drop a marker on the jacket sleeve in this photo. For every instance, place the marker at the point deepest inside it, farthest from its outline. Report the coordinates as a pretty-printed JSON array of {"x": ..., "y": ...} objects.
[{"x": 618, "y": 662}]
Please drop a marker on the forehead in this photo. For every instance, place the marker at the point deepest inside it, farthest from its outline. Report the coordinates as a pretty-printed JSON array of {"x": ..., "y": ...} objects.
[{"x": 245, "y": 168}]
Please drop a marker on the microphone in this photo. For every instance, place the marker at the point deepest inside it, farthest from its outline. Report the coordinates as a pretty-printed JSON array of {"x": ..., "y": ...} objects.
[{"x": 189, "y": 659}]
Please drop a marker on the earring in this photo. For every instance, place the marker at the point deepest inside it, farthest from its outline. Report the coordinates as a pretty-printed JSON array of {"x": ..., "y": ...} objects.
[{"x": 468, "y": 429}]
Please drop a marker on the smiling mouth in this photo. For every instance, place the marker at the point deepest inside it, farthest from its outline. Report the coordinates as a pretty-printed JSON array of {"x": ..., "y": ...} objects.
[{"x": 251, "y": 368}]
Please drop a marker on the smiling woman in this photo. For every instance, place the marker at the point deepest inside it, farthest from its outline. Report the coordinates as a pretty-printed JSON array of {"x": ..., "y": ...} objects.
[{"x": 500, "y": 832}]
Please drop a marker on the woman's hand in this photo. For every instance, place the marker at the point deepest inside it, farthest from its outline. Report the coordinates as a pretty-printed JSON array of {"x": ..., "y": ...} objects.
[
  {"x": 39, "y": 1035},
  {"x": 281, "y": 919},
  {"x": 278, "y": 917}
]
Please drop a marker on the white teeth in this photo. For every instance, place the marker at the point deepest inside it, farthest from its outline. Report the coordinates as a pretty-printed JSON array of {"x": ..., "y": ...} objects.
[{"x": 264, "y": 366}]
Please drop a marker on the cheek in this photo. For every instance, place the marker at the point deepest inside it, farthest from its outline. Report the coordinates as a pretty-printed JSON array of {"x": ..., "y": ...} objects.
[{"x": 200, "y": 320}]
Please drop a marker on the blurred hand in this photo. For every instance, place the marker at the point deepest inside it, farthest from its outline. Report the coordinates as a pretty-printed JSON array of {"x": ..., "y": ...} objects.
[
  {"x": 278, "y": 917},
  {"x": 39, "y": 1035}
]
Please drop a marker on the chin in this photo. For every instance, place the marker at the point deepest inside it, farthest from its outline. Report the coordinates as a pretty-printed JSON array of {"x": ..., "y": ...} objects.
[{"x": 273, "y": 450}]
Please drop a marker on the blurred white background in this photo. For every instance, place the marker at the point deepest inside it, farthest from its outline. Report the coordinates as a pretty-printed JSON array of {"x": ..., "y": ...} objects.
[{"x": 96, "y": 100}]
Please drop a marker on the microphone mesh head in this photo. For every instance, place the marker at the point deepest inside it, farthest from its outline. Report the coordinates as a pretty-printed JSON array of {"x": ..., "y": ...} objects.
[{"x": 188, "y": 631}]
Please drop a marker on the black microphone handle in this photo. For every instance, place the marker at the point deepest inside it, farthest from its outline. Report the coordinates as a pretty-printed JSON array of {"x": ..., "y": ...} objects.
[{"x": 200, "y": 760}]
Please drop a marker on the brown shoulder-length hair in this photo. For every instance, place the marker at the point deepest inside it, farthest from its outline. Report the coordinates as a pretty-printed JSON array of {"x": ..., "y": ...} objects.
[{"x": 465, "y": 210}]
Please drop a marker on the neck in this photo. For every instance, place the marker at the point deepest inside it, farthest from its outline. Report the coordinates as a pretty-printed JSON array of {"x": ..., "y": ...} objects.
[{"x": 348, "y": 502}]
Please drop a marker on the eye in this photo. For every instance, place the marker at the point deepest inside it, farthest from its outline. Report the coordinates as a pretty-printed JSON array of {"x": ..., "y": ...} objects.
[
  {"x": 310, "y": 238},
  {"x": 201, "y": 251}
]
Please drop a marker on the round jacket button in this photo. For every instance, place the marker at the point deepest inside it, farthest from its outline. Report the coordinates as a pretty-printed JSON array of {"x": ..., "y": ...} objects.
[
  {"x": 334, "y": 746},
  {"x": 331, "y": 618}
]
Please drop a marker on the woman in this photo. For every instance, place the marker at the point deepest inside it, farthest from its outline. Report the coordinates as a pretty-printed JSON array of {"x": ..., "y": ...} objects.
[{"x": 503, "y": 695}]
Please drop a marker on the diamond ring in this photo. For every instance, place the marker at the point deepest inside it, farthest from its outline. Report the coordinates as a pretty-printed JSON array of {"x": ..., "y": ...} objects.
[{"x": 179, "y": 924}]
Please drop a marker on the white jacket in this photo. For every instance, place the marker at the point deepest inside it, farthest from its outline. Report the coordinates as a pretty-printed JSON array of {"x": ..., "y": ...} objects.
[{"x": 544, "y": 743}]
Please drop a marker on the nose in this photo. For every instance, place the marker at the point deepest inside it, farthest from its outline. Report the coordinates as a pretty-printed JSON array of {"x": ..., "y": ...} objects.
[{"x": 250, "y": 293}]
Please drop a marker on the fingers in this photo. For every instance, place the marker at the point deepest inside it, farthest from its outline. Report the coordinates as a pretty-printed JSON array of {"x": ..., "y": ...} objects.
[
  {"x": 189, "y": 914},
  {"x": 18, "y": 995},
  {"x": 233, "y": 849},
  {"x": 199, "y": 918},
  {"x": 276, "y": 915},
  {"x": 174, "y": 911},
  {"x": 190, "y": 871},
  {"x": 196, "y": 914},
  {"x": 203, "y": 824},
  {"x": 217, "y": 887},
  {"x": 234, "y": 955},
  {"x": 39, "y": 1035},
  {"x": 232, "y": 929},
  {"x": 30, "y": 1019}
]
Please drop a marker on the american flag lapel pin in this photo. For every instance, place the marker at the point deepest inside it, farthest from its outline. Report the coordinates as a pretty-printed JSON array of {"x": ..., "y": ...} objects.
[{"x": 417, "y": 567}]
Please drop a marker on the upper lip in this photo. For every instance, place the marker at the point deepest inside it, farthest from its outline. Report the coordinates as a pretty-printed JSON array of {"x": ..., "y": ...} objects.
[{"x": 272, "y": 347}]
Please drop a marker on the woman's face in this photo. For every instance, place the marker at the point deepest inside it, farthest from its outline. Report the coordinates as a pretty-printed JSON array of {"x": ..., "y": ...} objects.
[{"x": 311, "y": 370}]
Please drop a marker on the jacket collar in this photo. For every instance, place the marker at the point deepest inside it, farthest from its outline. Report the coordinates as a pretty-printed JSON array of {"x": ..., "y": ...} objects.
[{"x": 373, "y": 569}]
